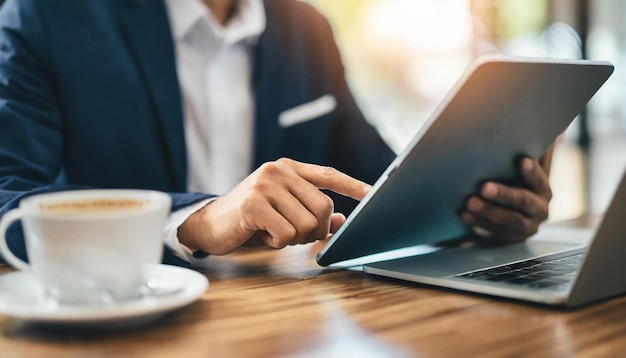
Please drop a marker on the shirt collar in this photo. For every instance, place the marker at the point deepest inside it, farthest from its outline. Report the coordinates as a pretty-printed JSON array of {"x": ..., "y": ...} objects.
[{"x": 249, "y": 20}]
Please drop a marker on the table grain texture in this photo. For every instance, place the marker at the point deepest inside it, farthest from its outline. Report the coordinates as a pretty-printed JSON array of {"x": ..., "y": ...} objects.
[{"x": 266, "y": 303}]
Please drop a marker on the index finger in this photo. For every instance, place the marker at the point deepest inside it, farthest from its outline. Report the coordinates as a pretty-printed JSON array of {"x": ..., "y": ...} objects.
[{"x": 330, "y": 178}]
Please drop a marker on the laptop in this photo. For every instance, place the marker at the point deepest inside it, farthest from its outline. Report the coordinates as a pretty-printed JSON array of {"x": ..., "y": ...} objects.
[
  {"x": 499, "y": 111},
  {"x": 542, "y": 272}
]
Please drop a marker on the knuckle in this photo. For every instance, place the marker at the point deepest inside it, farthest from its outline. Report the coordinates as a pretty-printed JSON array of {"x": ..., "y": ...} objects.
[
  {"x": 278, "y": 244},
  {"x": 259, "y": 187},
  {"x": 324, "y": 205},
  {"x": 286, "y": 236},
  {"x": 526, "y": 201},
  {"x": 284, "y": 161},
  {"x": 270, "y": 168},
  {"x": 309, "y": 224},
  {"x": 290, "y": 234},
  {"x": 265, "y": 167},
  {"x": 327, "y": 204},
  {"x": 327, "y": 171}
]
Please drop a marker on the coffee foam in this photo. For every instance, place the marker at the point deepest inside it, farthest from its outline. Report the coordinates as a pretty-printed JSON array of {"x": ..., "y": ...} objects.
[{"x": 93, "y": 205}]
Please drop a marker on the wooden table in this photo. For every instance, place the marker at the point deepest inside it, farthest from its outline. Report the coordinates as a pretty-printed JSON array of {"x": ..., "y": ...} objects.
[{"x": 280, "y": 303}]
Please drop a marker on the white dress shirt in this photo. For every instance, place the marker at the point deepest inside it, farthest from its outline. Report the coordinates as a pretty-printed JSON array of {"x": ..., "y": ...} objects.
[{"x": 214, "y": 65}]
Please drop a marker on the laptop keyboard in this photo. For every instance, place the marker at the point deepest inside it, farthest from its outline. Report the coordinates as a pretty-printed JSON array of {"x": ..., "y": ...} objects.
[{"x": 533, "y": 273}]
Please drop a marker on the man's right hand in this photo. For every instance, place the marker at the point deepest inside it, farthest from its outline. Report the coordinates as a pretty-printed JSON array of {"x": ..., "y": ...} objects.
[{"x": 279, "y": 204}]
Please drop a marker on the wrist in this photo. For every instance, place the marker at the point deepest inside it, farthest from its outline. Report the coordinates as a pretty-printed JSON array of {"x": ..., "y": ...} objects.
[{"x": 192, "y": 231}]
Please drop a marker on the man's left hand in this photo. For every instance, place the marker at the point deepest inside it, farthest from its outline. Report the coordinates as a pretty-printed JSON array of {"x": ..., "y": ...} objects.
[{"x": 510, "y": 214}]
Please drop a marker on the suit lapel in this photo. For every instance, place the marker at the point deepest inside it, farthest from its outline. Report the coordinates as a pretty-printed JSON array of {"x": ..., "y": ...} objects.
[
  {"x": 147, "y": 28},
  {"x": 269, "y": 94},
  {"x": 266, "y": 87}
]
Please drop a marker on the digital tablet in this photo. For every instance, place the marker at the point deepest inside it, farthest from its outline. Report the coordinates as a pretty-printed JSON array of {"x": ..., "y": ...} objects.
[{"x": 499, "y": 111}]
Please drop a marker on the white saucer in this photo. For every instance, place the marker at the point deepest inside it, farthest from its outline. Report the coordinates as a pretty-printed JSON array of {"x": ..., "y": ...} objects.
[{"x": 21, "y": 297}]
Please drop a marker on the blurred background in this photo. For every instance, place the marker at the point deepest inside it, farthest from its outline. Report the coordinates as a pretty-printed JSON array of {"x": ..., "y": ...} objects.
[{"x": 402, "y": 56}]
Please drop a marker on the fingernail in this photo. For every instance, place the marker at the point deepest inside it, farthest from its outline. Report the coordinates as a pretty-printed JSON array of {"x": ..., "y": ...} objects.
[
  {"x": 475, "y": 204},
  {"x": 481, "y": 232},
  {"x": 490, "y": 191},
  {"x": 367, "y": 189}
]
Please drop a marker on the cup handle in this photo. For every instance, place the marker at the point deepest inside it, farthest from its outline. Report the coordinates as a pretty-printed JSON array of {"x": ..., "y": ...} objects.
[{"x": 6, "y": 221}]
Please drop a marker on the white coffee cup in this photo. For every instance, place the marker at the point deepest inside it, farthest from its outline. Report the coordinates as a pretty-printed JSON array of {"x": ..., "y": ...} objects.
[{"x": 90, "y": 246}]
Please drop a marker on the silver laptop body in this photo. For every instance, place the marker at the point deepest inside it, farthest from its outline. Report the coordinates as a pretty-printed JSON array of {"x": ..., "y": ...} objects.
[{"x": 598, "y": 274}]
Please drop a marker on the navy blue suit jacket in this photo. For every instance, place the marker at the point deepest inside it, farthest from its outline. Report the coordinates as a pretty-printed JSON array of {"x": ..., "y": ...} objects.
[{"x": 89, "y": 97}]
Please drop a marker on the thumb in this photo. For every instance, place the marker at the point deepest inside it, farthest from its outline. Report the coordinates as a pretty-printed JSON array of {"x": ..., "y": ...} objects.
[{"x": 336, "y": 220}]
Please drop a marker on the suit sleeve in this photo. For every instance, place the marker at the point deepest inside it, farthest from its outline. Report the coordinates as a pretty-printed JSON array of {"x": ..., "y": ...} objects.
[
  {"x": 31, "y": 119},
  {"x": 31, "y": 131}
]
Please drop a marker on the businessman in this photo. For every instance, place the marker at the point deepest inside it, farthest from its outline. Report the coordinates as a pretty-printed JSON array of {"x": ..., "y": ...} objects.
[{"x": 200, "y": 99}]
